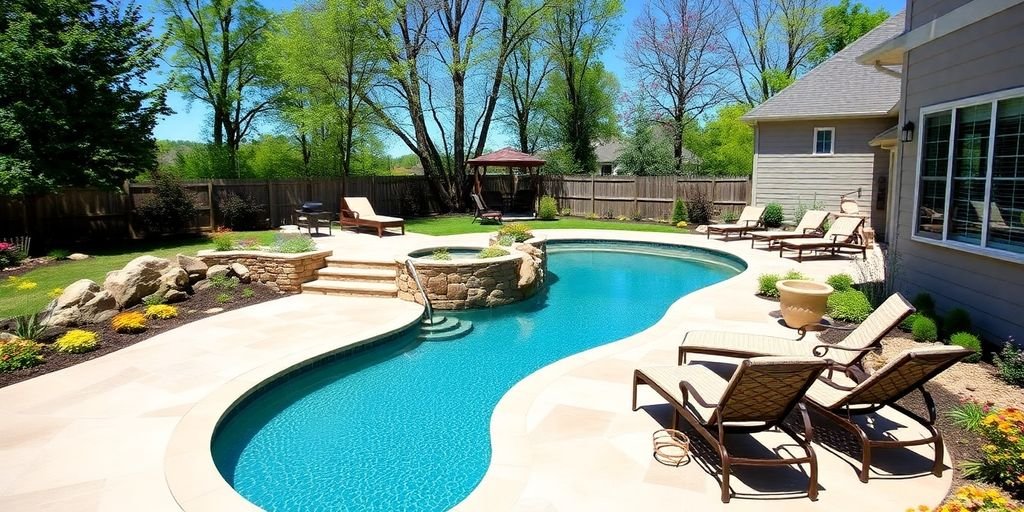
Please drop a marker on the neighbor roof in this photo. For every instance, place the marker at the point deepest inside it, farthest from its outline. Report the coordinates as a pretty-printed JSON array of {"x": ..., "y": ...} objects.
[
  {"x": 507, "y": 157},
  {"x": 840, "y": 87}
]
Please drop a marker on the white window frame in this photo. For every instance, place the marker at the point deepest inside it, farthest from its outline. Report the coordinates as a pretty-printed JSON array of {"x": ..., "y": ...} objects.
[
  {"x": 982, "y": 249},
  {"x": 832, "y": 141}
]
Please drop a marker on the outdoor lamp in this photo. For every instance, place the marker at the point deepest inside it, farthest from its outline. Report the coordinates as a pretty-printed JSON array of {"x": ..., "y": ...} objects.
[{"x": 907, "y": 132}]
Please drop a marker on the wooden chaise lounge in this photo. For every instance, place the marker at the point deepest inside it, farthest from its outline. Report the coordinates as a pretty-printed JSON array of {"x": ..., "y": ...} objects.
[
  {"x": 483, "y": 212},
  {"x": 357, "y": 212},
  {"x": 843, "y": 234},
  {"x": 809, "y": 227},
  {"x": 750, "y": 219},
  {"x": 759, "y": 396}
]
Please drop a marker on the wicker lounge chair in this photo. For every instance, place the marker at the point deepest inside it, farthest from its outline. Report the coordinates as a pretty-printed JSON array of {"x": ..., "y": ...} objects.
[
  {"x": 758, "y": 397},
  {"x": 750, "y": 219},
  {"x": 842, "y": 355},
  {"x": 809, "y": 227},
  {"x": 843, "y": 234},
  {"x": 883, "y": 388},
  {"x": 483, "y": 212},
  {"x": 357, "y": 212}
]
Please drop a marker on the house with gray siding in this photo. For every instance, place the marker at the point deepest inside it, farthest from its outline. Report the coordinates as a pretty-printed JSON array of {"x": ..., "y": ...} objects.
[
  {"x": 831, "y": 133},
  {"x": 957, "y": 228}
]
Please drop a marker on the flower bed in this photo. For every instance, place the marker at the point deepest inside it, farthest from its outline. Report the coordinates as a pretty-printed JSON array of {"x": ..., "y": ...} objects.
[{"x": 281, "y": 271}]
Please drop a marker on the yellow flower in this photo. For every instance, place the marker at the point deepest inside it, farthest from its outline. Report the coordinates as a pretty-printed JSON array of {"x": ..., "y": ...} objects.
[
  {"x": 26, "y": 285},
  {"x": 56, "y": 292}
]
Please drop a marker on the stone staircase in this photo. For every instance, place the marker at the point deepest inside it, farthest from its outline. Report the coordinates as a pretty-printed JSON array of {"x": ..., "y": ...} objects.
[
  {"x": 444, "y": 328},
  {"x": 355, "y": 277}
]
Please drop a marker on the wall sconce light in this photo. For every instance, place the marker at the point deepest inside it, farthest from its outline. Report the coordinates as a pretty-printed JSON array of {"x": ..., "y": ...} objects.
[{"x": 907, "y": 132}]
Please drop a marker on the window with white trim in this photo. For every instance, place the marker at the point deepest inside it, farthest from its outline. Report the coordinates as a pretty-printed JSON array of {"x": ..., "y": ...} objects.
[
  {"x": 970, "y": 175},
  {"x": 824, "y": 140}
]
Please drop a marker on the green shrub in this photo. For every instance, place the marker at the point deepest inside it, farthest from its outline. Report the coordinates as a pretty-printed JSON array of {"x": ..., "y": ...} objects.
[
  {"x": 849, "y": 305},
  {"x": 171, "y": 209},
  {"x": 700, "y": 209},
  {"x": 59, "y": 254},
  {"x": 924, "y": 329},
  {"x": 908, "y": 323},
  {"x": 77, "y": 341},
  {"x": 956, "y": 320},
  {"x": 224, "y": 282},
  {"x": 521, "y": 232},
  {"x": 441, "y": 254},
  {"x": 223, "y": 298},
  {"x": 795, "y": 275},
  {"x": 679, "y": 213},
  {"x": 10, "y": 255},
  {"x": 491, "y": 252},
  {"x": 547, "y": 209},
  {"x": 506, "y": 240},
  {"x": 29, "y": 327},
  {"x": 222, "y": 242},
  {"x": 967, "y": 415},
  {"x": 840, "y": 282},
  {"x": 293, "y": 244},
  {"x": 730, "y": 217},
  {"x": 924, "y": 304},
  {"x": 766, "y": 285},
  {"x": 241, "y": 213},
  {"x": 1010, "y": 362},
  {"x": 153, "y": 300},
  {"x": 773, "y": 215},
  {"x": 970, "y": 342},
  {"x": 248, "y": 293},
  {"x": 18, "y": 354}
]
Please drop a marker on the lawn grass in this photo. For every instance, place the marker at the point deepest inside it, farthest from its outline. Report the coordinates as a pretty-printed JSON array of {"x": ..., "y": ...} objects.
[
  {"x": 459, "y": 224},
  {"x": 14, "y": 302}
]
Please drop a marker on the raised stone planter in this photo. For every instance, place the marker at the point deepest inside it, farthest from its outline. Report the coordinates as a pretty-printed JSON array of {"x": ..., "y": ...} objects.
[
  {"x": 466, "y": 283},
  {"x": 282, "y": 271}
]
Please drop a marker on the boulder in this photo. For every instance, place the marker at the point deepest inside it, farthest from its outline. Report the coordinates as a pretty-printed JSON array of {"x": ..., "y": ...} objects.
[
  {"x": 174, "y": 279},
  {"x": 217, "y": 271},
  {"x": 173, "y": 296},
  {"x": 242, "y": 272},
  {"x": 202, "y": 285},
  {"x": 6, "y": 336},
  {"x": 84, "y": 302},
  {"x": 139, "y": 278},
  {"x": 194, "y": 267},
  {"x": 77, "y": 256}
]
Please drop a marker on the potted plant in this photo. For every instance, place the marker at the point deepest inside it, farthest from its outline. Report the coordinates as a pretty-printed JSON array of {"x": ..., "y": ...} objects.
[{"x": 803, "y": 302}]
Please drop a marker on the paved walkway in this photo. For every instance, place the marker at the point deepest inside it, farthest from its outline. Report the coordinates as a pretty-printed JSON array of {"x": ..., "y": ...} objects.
[{"x": 98, "y": 436}]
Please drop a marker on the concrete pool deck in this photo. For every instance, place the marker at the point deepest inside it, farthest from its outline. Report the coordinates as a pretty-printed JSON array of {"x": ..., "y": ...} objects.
[{"x": 108, "y": 434}]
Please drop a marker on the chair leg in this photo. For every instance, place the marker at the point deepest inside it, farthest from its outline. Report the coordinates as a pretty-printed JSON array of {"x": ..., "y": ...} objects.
[
  {"x": 939, "y": 452},
  {"x": 636, "y": 382}
]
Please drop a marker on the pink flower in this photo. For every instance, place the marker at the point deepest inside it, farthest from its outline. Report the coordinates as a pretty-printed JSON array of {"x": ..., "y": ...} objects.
[{"x": 4, "y": 246}]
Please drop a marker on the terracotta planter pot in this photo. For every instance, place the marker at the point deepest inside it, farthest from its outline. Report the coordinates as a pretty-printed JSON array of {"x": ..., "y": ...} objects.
[{"x": 803, "y": 302}]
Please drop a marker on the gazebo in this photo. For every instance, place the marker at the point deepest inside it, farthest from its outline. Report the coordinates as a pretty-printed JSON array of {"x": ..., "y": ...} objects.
[{"x": 509, "y": 158}]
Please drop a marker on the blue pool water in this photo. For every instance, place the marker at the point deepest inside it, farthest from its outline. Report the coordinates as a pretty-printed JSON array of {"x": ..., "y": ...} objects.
[{"x": 404, "y": 425}]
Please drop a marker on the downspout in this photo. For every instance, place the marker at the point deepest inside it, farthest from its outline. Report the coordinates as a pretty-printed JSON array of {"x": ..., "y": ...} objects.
[{"x": 882, "y": 69}]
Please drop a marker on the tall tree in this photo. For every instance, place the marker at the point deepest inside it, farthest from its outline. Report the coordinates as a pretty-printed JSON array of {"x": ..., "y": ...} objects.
[
  {"x": 579, "y": 31},
  {"x": 724, "y": 144},
  {"x": 772, "y": 44},
  {"x": 842, "y": 24},
  {"x": 327, "y": 60},
  {"x": 74, "y": 109},
  {"x": 217, "y": 61},
  {"x": 678, "y": 54},
  {"x": 526, "y": 73},
  {"x": 647, "y": 153}
]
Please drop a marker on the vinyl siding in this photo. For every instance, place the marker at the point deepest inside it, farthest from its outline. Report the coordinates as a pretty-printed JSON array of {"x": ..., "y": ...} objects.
[
  {"x": 978, "y": 59},
  {"x": 789, "y": 174},
  {"x": 925, "y": 11}
]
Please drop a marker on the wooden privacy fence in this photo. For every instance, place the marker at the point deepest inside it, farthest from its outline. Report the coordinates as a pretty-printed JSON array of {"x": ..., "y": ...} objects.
[
  {"x": 93, "y": 214},
  {"x": 649, "y": 197}
]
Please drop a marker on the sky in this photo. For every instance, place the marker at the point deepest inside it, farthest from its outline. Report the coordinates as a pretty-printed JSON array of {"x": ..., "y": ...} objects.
[{"x": 190, "y": 122}]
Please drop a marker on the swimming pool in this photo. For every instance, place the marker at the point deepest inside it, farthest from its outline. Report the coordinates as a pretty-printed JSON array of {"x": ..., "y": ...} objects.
[{"x": 404, "y": 425}]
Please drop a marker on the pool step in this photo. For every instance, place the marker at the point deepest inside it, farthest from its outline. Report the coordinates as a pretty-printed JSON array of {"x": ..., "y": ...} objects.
[
  {"x": 362, "y": 274},
  {"x": 351, "y": 288},
  {"x": 448, "y": 328},
  {"x": 352, "y": 262}
]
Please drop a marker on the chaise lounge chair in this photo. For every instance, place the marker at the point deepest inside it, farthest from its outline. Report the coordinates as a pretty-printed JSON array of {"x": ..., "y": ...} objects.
[
  {"x": 883, "y": 388},
  {"x": 842, "y": 355},
  {"x": 809, "y": 227},
  {"x": 758, "y": 397},
  {"x": 843, "y": 234},
  {"x": 357, "y": 212},
  {"x": 483, "y": 212},
  {"x": 750, "y": 219}
]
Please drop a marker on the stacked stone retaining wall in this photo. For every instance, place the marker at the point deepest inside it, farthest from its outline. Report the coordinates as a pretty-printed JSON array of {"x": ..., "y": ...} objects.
[{"x": 284, "y": 272}]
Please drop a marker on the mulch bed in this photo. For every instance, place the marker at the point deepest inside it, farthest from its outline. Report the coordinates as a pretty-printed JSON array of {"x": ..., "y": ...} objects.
[
  {"x": 28, "y": 265},
  {"x": 110, "y": 341}
]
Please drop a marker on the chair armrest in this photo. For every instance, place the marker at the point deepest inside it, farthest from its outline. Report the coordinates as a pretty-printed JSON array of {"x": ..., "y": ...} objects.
[
  {"x": 349, "y": 213},
  {"x": 802, "y": 330},
  {"x": 686, "y": 387},
  {"x": 821, "y": 350},
  {"x": 833, "y": 384}
]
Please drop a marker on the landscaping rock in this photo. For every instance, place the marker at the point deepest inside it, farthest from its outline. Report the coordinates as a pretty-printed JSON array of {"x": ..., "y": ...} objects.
[
  {"x": 202, "y": 285},
  {"x": 77, "y": 256},
  {"x": 6, "y": 336},
  {"x": 83, "y": 302},
  {"x": 241, "y": 271},
  {"x": 194, "y": 267},
  {"x": 139, "y": 278},
  {"x": 173, "y": 296},
  {"x": 217, "y": 271},
  {"x": 174, "y": 279},
  {"x": 213, "y": 311}
]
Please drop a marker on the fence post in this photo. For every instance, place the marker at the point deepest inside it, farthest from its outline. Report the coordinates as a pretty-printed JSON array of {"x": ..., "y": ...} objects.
[
  {"x": 636, "y": 195},
  {"x": 593, "y": 195},
  {"x": 275, "y": 216},
  {"x": 129, "y": 206},
  {"x": 209, "y": 199}
]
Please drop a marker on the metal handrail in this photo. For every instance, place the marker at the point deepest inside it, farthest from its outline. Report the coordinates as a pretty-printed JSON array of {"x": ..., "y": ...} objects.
[{"x": 428, "y": 309}]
